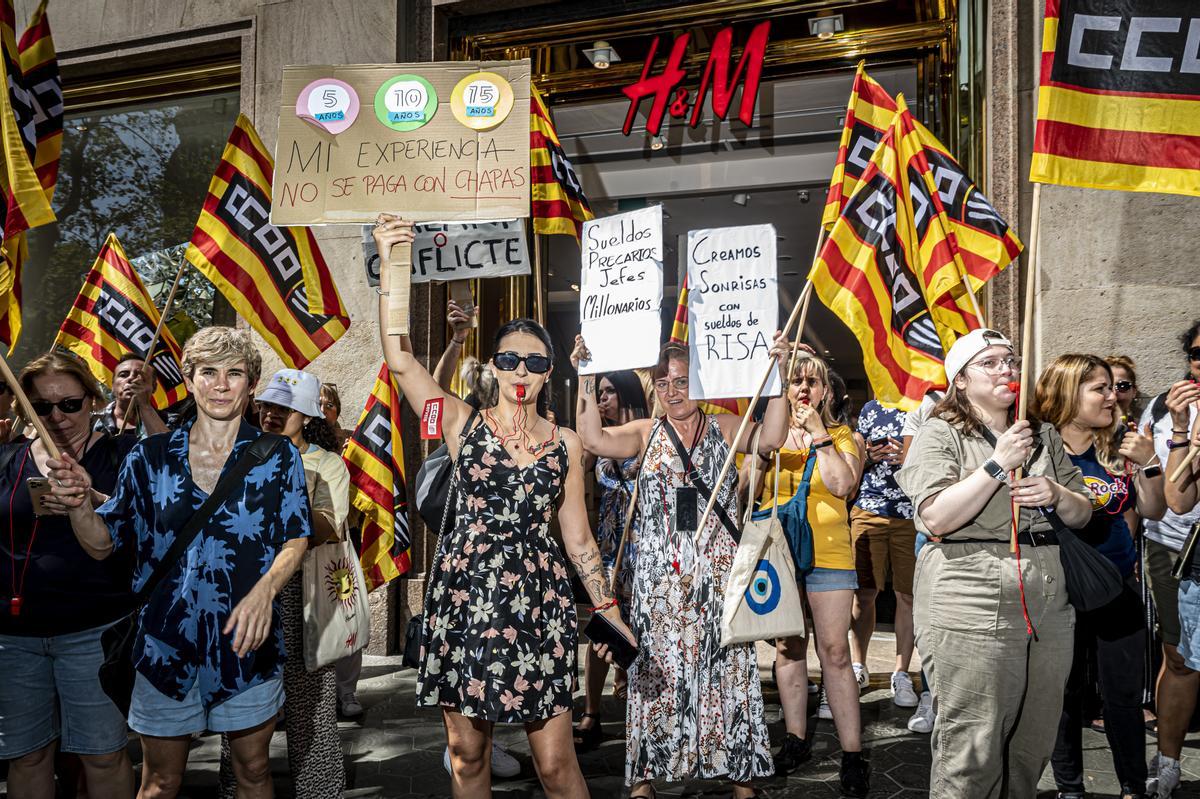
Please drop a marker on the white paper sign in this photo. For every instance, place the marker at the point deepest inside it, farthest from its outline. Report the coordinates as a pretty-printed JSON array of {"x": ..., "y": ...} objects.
[
  {"x": 445, "y": 251},
  {"x": 621, "y": 289},
  {"x": 733, "y": 310}
]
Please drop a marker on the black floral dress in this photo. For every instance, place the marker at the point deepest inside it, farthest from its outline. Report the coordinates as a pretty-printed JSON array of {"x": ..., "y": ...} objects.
[{"x": 500, "y": 638}]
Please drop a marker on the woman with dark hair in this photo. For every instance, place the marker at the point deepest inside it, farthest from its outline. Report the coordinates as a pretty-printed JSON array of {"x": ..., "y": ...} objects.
[
  {"x": 620, "y": 400},
  {"x": 57, "y": 598},
  {"x": 695, "y": 707},
  {"x": 1075, "y": 394},
  {"x": 499, "y": 638},
  {"x": 290, "y": 406},
  {"x": 993, "y": 625}
]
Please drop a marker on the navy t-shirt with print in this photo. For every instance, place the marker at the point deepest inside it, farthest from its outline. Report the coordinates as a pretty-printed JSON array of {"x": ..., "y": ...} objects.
[
  {"x": 879, "y": 493},
  {"x": 1112, "y": 495}
]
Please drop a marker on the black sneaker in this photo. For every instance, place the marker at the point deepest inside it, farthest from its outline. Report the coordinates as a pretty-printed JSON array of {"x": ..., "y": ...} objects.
[
  {"x": 855, "y": 774},
  {"x": 795, "y": 752}
]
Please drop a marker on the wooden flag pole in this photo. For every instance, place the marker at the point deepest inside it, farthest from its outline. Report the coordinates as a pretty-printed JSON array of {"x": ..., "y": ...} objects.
[
  {"x": 147, "y": 369},
  {"x": 974, "y": 302},
  {"x": 27, "y": 409},
  {"x": 1027, "y": 325},
  {"x": 540, "y": 313}
]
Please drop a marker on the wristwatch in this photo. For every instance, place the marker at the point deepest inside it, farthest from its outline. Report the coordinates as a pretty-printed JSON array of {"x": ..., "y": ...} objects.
[
  {"x": 995, "y": 470},
  {"x": 1153, "y": 470}
]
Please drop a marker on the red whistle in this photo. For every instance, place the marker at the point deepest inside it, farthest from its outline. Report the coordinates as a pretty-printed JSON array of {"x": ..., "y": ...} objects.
[
  {"x": 14, "y": 606},
  {"x": 1015, "y": 386},
  {"x": 520, "y": 393}
]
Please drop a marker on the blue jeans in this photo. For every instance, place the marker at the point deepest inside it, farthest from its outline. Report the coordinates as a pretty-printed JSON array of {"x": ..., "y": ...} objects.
[
  {"x": 50, "y": 690},
  {"x": 158, "y": 715}
]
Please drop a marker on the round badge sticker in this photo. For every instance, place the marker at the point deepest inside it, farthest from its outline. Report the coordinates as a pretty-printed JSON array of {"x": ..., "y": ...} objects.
[
  {"x": 406, "y": 102},
  {"x": 330, "y": 104},
  {"x": 481, "y": 100}
]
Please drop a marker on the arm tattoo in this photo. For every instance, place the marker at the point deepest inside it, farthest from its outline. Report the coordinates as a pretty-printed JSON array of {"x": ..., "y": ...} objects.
[
  {"x": 592, "y": 576},
  {"x": 589, "y": 386}
]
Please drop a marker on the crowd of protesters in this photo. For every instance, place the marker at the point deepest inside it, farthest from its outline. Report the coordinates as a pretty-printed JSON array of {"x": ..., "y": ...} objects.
[{"x": 963, "y": 511}]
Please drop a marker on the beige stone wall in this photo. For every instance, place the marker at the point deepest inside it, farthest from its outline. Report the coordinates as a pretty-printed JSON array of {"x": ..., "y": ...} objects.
[
  {"x": 95, "y": 34},
  {"x": 1118, "y": 270}
]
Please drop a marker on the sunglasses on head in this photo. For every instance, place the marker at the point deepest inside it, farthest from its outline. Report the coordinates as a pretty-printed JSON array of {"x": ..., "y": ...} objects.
[
  {"x": 1194, "y": 353},
  {"x": 68, "y": 405},
  {"x": 1123, "y": 385},
  {"x": 508, "y": 361}
]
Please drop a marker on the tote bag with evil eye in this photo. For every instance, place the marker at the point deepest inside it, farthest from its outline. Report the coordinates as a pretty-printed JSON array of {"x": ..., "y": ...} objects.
[{"x": 762, "y": 600}]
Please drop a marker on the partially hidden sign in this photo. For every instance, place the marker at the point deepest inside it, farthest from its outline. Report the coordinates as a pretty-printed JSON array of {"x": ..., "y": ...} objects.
[
  {"x": 448, "y": 251},
  {"x": 621, "y": 288},
  {"x": 436, "y": 141},
  {"x": 733, "y": 310}
]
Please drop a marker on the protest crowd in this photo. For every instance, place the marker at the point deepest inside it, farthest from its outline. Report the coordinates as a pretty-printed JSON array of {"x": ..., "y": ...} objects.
[{"x": 192, "y": 535}]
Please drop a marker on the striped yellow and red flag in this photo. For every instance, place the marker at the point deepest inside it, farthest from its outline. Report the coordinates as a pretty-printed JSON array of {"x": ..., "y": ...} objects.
[
  {"x": 260, "y": 268},
  {"x": 890, "y": 272},
  {"x": 39, "y": 66},
  {"x": 1119, "y": 96},
  {"x": 374, "y": 454},
  {"x": 559, "y": 204},
  {"x": 25, "y": 204},
  {"x": 113, "y": 315},
  {"x": 12, "y": 258},
  {"x": 985, "y": 242}
]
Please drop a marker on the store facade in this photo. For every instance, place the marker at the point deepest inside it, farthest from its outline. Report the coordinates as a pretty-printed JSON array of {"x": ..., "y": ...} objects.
[{"x": 152, "y": 88}]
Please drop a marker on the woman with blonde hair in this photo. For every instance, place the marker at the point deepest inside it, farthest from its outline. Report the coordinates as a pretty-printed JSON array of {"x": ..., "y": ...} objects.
[
  {"x": 992, "y": 623},
  {"x": 820, "y": 465},
  {"x": 1076, "y": 395}
]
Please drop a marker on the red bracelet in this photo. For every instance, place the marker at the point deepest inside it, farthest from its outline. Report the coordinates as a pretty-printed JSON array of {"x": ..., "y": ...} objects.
[{"x": 612, "y": 603}]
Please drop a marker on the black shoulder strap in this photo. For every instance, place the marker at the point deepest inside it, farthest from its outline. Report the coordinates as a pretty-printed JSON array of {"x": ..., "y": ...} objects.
[
  {"x": 1158, "y": 409},
  {"x": 694, "y": 477},
  {"x": 7, "y": 453},
  {"x": 258, "y": 452}
]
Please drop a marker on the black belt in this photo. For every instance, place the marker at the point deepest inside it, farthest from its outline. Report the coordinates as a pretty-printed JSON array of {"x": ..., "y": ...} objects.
[{"x": 1025, "y": 538}]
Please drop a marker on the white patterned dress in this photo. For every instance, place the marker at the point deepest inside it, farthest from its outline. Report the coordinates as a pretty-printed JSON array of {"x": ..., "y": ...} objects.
[{"x": 695, "y": 707}]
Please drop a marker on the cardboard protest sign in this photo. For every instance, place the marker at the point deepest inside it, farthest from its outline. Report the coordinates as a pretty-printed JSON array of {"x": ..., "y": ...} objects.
[
  {"x": 733, "y": 310},
  {"x": 435, "y": 141},
  {"x": 621, "y": 289},
  {"x": 448, "y": 251}
]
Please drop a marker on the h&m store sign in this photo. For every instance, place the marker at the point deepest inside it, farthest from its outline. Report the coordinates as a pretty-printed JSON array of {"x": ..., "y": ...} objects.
[{"x": 669, "y": 96}]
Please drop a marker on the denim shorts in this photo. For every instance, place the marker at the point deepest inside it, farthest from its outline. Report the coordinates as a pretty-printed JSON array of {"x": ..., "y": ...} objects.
[
  {"x": 1189, "y": 624},
  {"x": 50, "y": 690},
  {"x": 156, "y": 714},
  {"x": 831, "y": 580}
]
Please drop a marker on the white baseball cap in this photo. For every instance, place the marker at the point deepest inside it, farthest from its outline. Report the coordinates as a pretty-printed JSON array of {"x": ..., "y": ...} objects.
[
  {"x": 292, "y": 388},
  {"x": 970, "y": 345}
]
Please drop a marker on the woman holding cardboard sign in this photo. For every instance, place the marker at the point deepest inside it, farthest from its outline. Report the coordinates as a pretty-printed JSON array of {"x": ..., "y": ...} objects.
[
  {"x": 499, "y": 638},
  {"x": 695, "y": 707}
]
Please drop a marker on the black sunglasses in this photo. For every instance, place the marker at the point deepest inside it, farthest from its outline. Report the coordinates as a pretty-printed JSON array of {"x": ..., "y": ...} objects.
[
  {"x": 1123, "y": 385},
  {"x": 1194, "y": 353},
  {"x": 507, "y": 361},
  {"x": 68, "y": 405}
]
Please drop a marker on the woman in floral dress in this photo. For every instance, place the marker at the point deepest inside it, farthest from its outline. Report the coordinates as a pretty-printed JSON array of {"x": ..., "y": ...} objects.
[
  {"x": 620, "y": 399},
  {"x": 695, "y": 707},
  {"x": 500, "y": 638}
]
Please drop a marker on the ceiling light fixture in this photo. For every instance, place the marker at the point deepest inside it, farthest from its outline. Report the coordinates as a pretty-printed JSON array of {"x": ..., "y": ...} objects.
[
  {"x": 826, "y": 27},
  {"x": 658, "y": 142},
  {"x": 601, "y": 54}
]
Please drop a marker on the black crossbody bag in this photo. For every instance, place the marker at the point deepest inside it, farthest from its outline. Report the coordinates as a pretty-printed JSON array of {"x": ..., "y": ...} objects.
[
  {"x": 117, "y": 673},
  {"x": 698, "y": 482}
]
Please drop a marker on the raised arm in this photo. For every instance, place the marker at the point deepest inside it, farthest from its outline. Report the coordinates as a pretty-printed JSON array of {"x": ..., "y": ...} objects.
[
  {"x": 71, "y": 491},
  {"x": 1138, "y": 449},
  {"x": 775, "y": 419},
  {"x": 459, "y": 321},
  {"x": 618, "y": 442},
  {"x": 1182, "y": 495},
  {"x": 415, "y": 383}
]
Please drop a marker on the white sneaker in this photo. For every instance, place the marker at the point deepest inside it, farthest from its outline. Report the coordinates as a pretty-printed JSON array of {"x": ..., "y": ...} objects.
[
  {"x": 922, "y": 719},
  {"x": 823, "y": 711},
  {"x": 1164, "y": 776},
  {"x": 903, "y": 694},
  {"x": 504, "y": 765},
  {"x": 862, "y": 676}
]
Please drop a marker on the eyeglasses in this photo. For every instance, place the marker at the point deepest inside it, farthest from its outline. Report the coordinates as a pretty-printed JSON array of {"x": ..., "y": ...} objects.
[
  {"x": 68, "y": 405},
  {"x": 996, "y": 365},
  {"x": 1123, "y": 385},
  {"x": 507, "y": 362},
  {"x": 1194, "y": 354},
  {"x": 679, "y": 384}
]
